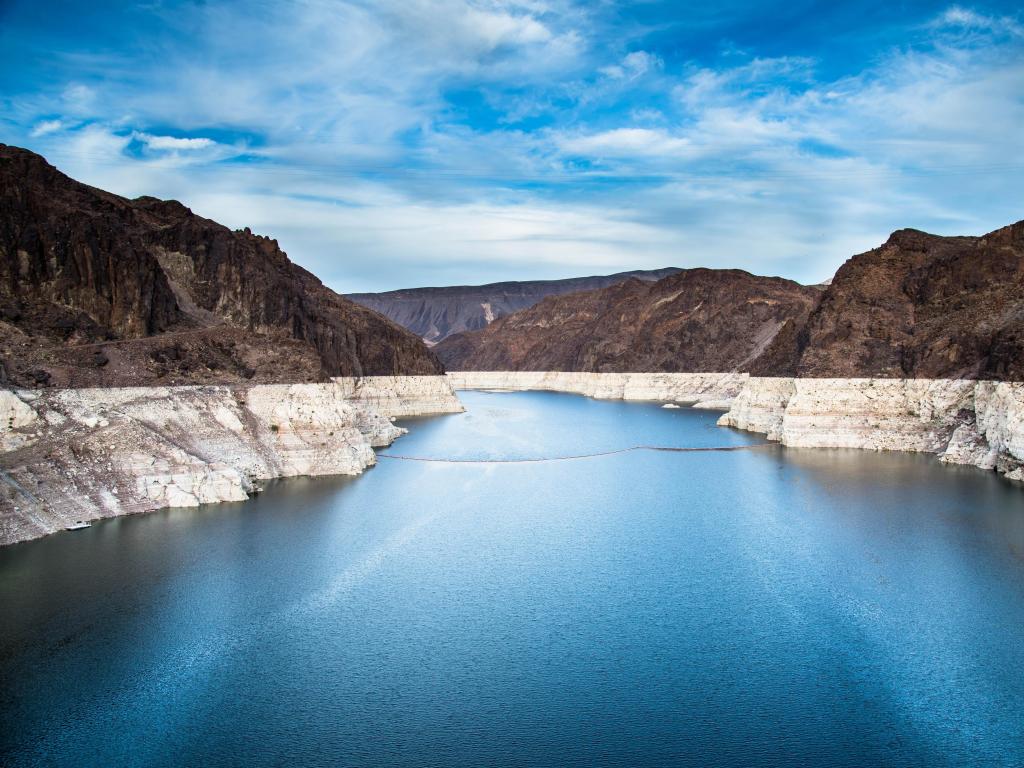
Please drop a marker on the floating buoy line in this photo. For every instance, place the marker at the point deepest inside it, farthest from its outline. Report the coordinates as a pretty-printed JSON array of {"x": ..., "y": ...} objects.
[{"x": 664, "y": 448}]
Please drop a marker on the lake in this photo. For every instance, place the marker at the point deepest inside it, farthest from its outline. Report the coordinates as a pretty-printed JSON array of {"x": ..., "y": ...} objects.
[{"x": 762, "y": 607}]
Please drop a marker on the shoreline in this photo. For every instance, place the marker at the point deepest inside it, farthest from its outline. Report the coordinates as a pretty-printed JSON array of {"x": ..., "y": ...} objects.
[
  {"x": 88, "y": 454},
  {"x": 963, "y": 421}
]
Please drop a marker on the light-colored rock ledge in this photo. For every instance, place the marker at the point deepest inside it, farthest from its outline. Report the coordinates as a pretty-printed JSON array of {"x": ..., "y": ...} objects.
[
  {"x": 701, "y": 390},
  {"x": 980, "y": 423},
  {"x": 70, "y": 455}
]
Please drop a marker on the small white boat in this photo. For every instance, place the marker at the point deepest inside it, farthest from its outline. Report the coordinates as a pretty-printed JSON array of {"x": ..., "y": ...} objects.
[
  {"x": 670, "y": 405},
  {"x": 78, "y": 526}
]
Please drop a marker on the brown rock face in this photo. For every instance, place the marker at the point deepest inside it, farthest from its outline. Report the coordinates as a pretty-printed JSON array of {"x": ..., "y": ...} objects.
[
  {"x": 920, "y": 306},
  {"x": 695, "y": 320},
  {"x": 437, "y": 313},
  {"x": 99, "y": 290}
]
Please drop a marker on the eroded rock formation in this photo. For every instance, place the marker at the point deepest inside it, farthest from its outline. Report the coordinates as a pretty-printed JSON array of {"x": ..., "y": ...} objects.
[
  {"x": 701, "y": 390},
  {"x": 83, "y": 454},
  {"x": 919, "y": 306},
  {"x": 698, "y": 320},
  {"x": 437, "y": 313},
  {"x": 98, "y": 290},
  {"x": 980, "y": 423}
]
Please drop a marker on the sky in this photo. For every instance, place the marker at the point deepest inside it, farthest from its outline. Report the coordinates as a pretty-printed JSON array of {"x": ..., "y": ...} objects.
[{"x": 402, "y": 143}]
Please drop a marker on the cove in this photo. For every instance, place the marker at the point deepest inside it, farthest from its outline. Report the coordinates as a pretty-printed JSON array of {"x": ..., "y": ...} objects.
[{"x": 739, "y": 608}]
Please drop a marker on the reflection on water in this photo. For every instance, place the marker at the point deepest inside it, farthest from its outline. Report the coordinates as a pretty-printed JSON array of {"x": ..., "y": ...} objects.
[{"x": 768, "y": 607}]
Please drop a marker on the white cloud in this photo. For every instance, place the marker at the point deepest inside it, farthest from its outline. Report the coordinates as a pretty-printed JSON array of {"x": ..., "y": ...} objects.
[
  {"x": 497, "y": 29},
  {"x": 372, "y": 175},
  {"x": 173, "y": 143},
  {"x": 632, "y": 66},
  {"x": 46, "y": 126},
  {"x": 78, "y": 97},
  {"x": 626, "y": 142},
  {"x": 966, "y": 18}
]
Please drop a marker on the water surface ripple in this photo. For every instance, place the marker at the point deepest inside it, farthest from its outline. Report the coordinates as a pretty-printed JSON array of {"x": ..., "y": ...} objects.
[{"x": 766, "y": 607}]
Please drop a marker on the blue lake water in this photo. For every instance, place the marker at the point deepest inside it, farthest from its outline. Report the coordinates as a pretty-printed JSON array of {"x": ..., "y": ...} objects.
[{"x": 770, "y": 607}]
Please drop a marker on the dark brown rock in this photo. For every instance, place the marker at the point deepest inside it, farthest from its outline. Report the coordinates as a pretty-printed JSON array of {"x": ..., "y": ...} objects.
[
  {"x": 437, "y": 313},
  {"x": 85, "y": 273},
  {"x": 695, "y": 320},
  {"x": 920, "y": 306}
]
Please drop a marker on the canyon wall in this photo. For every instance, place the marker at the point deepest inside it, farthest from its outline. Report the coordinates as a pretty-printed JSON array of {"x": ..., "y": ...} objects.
[
  {"x": 83, "y": 454},
  {"x": 100, "y": 291},
  {"x": 980, "y": 423},
  {"x": 437, "y": 313},
  {"x": 693, "y": 321},
  {"x": 401, "y": 396},
  {"x": 701, "y": 390}
]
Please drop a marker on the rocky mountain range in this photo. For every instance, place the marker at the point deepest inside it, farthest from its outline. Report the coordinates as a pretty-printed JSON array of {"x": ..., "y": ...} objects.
[
  {"x": 99, "y": 290},
  {"x": 436, "y": 313},
  {"x": 919, "y": 306},
  {"x": 694, "y": 320}
]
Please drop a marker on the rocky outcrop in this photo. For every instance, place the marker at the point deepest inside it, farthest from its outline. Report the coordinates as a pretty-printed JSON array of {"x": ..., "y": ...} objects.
[
  {"x": 701, "y": 390},
  {"x": 399, "y": 396},
  {"x": 437, "y": 313},
  {"x": 980, "y": 423},
  {"x": 694, "y": 321},
  {"x": 98, "y": 290},
  {"x": 919, "y": 306},
  {"x": 83, "y": 454}
]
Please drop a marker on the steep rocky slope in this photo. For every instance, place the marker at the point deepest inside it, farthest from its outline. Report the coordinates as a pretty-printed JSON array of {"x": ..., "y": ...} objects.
[
  {"x": 437, "y": 313},
  {"x": 920, "y": 306},
  {"x": 68, "y": 455},
  {"x": 98, "y": 290},
  {"x": 700, "y": 320}
]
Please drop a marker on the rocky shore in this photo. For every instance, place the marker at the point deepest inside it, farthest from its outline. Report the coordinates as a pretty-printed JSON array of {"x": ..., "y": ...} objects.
[
  {"x": 701, "y": 390},
  {"x": 978, "y": 423},
  {"x": 73, "y": 455}
]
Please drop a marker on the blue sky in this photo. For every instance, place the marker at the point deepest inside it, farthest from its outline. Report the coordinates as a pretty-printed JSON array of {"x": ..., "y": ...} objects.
[{"x": 401, "y": 143}]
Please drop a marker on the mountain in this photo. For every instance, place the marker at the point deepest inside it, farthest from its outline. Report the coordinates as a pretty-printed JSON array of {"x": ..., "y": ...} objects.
[
  {"x": 437, "y": 313},
  {"x": 694, "y": 320},
  {"x": 919, "y": 306},
  {"x": 99, "y": 290}
]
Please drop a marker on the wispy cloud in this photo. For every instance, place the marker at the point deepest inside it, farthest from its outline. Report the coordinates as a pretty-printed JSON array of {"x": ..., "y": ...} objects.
[
  {"x": 44, "y": 127},
  {"x": 966, "y": 18},
  {"x": 173, "y": 142},
  {"x": 395, "y": 142}
]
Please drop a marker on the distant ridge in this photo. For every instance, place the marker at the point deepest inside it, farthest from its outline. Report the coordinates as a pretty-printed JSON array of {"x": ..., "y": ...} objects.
[
  {"x": 434, "y": 314},
  {"x": 696, "y": 320},
  {"x": 918, "y": 306}
]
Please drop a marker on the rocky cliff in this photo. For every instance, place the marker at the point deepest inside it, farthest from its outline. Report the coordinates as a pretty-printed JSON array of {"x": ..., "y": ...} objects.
[
  {"x": 437, "y": 313},
  {"x": 977, "y": 423},
  {"x": 980, "y": 423},
  {"x": 701, "y": 390},
  {"x": 697, "y": 320},
  {"x": 96, "y": 289},
  {"x": 82, "y": 454},
  {"x": 919, "y": 306}
]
